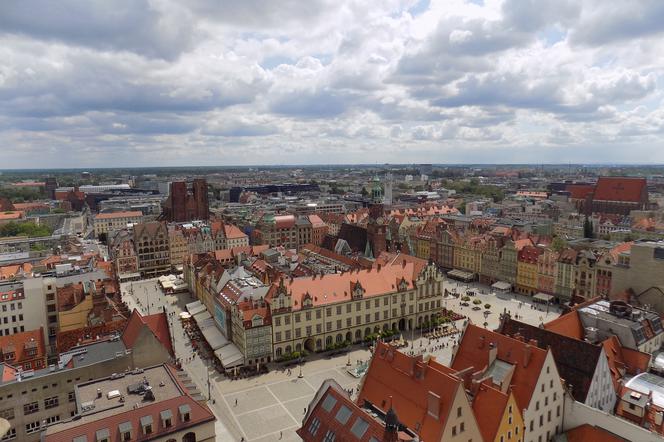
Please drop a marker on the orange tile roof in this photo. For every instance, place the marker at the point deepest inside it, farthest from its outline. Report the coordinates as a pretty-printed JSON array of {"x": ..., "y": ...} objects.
[
  {"x": 568, "y": 325},
  {"x": 18, "y": 343},
  {"x": 112, "y": 215},
  {"x": 474, "y": 352},
  {"x": 588, "y": 433},
  {"x": 389, "y": 258},
  {"x": 9, "y": 271},
  {"x": 28, "y": 206},
  {"x": 489, "y": 407},
  {"x": 316, "y": 221},
  {"x": 521, "y": 243},
  {"x": 331, "y": 288},
  {"x": 11, "y": 214},
  {"x": 407, "y": 381},
  {"x": 233, "y": 232}
]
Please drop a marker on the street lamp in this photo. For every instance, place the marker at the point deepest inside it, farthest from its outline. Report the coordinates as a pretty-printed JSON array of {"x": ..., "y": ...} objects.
[{"x": 300, "y": 375}]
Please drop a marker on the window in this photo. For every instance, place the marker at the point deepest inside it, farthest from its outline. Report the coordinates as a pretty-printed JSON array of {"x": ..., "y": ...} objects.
[
  {"x": 11, "y": 434},
  {"x": 53, "y": 419},
  {"x": 329, "y": 436},
  {"x": 30, "y": 408},
  {"x": 558, "y": 411},
  {"x": 459, "y": 412},
  {"x": 71, "y": 396},
  {"x": 7, "y": 413},
  {"x": 359, "y": 428},
  {"x": 51, "y": 402},
  {"x": 329, "y": 403},
  {"x": 343, "y": 414},
  {"x": 537, "y": 406},
  {"x": 454, "y": 431},
  {"x": 277, "y": 336},
  {"x": 462, "y": 427},
  {"x": 32, "y": 427},
  {"x": 313, "y": 426},
  {"x": 548, "y": 416}
]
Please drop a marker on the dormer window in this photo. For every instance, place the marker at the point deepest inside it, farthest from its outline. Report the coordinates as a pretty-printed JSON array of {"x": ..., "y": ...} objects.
[
  {"x": 166, "y": 418},
  {"x": 146, "y": 424},
  {"x": 125, "y": 429},
  {"x": 103, "y": 435},
  {"x": 185, "y": 412}
]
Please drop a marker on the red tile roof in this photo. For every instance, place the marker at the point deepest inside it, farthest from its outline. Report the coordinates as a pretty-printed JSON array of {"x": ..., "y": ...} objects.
[
  {"x": 407, "y": 381},
  {"x": 579, "y": 191},
  {"x": 157, "y": 324},
  {"x": 19, "y": 343},
  {"x": 474, "y": 352},
  {"x": 620, "y": 189},
  {"x": 588, "y": 433}
]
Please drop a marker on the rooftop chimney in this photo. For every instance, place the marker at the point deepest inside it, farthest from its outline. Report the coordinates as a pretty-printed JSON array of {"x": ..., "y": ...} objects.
[
  {"x": 527, "y": 354},
  {"x": 493, "y": 352}
]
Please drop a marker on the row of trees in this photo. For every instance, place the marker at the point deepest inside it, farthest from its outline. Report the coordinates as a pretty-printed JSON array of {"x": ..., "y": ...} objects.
[{"x": 24, "y": 229}]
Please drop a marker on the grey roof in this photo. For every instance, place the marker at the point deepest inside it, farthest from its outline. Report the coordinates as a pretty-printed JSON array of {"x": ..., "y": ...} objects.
[
  {"x": 83, "y": 438},
  {"x": 146, "y": 420},
  {"x": 124, "y": 427},
  {"x": 185, "y": 408},
  {"x": 166, "y": 414},
  {"x": 103, "y": 433}
]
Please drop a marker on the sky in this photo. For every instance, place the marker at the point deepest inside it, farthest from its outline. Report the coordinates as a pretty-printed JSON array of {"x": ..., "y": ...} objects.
[{"x": 214, "y": 82}]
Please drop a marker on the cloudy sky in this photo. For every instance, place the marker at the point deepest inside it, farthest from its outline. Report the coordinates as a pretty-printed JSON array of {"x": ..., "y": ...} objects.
[{"x": 214, "y": 82}]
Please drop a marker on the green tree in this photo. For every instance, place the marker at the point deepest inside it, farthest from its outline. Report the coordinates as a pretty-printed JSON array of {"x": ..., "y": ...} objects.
[
  {"x": 558, "y": 244},
  {"x": 24, "y": 229}
]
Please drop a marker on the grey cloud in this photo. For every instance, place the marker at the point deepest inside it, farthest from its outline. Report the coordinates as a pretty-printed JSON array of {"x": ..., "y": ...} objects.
[
  {"x": 311, "y": 104},
  {"x": 118, "y": 25},
  {"x": 607, "y": 22}
]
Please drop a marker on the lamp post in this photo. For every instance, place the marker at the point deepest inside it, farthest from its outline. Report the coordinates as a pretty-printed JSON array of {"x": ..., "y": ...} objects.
[{"x": 300, "y": 375}]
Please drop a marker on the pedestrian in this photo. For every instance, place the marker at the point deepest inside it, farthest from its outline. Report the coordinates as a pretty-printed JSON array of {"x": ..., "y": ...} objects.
[
  {"x": 236, "y": 402},
  {"x": 281, "y": 434}
]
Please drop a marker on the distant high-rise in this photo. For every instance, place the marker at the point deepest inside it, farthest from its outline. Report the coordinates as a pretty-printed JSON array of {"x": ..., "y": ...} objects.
[
  {"x": 387, "y": 195},
  {"x": 187, "y": 203},
  {"x": 50, "y": 184}
]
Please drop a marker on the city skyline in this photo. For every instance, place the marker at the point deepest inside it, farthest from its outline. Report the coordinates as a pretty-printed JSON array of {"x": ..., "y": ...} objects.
[{"x": 463, "y": 82}]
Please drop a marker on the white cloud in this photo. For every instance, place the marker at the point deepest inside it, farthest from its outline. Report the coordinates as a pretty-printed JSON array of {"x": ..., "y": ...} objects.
[{"x": 320, "y": 81}]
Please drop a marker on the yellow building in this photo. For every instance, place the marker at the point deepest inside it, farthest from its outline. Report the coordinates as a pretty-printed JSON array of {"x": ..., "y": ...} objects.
[
  {"x": 314, "y": 313},
  {"x": 468, "y": 255},
  {"x": 498, "y": 415},
  {"x": 526, "y": 270}
]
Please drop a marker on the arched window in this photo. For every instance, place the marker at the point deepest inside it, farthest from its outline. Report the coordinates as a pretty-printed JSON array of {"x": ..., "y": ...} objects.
[
  {"x": 189, "y": 437},
  {"x": 278, "y": 352}
]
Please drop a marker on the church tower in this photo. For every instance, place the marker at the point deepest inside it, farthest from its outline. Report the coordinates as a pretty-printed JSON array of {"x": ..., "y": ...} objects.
[{"x": 376, "y": 227}]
